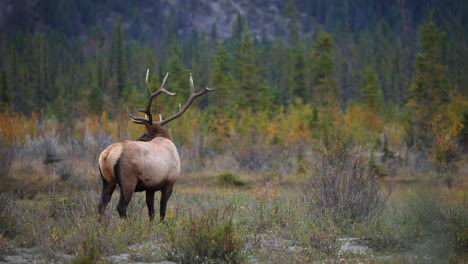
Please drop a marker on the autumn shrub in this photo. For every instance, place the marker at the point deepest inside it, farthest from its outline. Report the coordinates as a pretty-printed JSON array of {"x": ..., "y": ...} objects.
[
  {"x": 444, "y": 146},
  {"x": 207, "y": 238},
  {"x": 346, "y": 189}
]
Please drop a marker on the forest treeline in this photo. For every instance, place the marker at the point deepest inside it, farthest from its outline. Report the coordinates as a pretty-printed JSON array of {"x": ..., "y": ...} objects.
[{"x": 388, "y": 62}]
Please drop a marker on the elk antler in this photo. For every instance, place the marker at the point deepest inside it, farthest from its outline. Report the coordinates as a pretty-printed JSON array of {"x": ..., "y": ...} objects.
[
  {"x": 192, "y": 97},
  {"x": 151, "y": 96}
]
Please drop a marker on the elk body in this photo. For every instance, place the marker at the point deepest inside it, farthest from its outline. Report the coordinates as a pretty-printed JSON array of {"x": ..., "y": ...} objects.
[{"x": 151, "y": 163}]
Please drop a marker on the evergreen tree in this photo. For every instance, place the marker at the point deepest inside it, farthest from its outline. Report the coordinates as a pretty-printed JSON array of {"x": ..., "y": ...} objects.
[
  {"x": 177, "y": 82},
  {"x": 222, "y": 80},
  {"x": 44, "y": 90},
  {"x": 5, "y": 91},
  {"x": 429, "y": 84},
  {"x": 251, "y": 93},
  {"x": 293, "y": 23},
  {"x": 383, "y": 59},
  {"x": 238, "y": 31},
  {"x": 299, "y": 85},
  {"x": 371, "y": 93},
  {"x": 118, "y": 59},
  {"x": 428, "y": 88},
  {"x": 325, "y": 91},
  {"x": 96, "y": 100}
]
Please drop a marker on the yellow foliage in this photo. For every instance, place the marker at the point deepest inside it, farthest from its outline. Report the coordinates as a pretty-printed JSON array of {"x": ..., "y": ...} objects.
[
  {"x": 363, "y": 124},
  {"x": 92, "y": 125},
  {"x": 105, "y": 122}
]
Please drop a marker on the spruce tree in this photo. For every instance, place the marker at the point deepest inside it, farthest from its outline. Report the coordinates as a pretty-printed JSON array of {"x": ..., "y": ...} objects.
[
  {"x": 118, "y": 58},
  {"x": 250, "y": 92},
  {"x": 299, "y": 84},
  {"x": 222, "y": 80},
  {"x": 325, "y": 91},
  {"x": 293, "y": 23},
  {"x": 322, "y": 68},
  {"x": 371, "y": 93},
  {"x": 178, "y": 82},
  {"x": 429, "y": 86}
]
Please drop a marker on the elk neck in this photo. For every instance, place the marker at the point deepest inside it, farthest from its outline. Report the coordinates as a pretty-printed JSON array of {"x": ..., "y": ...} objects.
[{"x": 154, "y": 131}]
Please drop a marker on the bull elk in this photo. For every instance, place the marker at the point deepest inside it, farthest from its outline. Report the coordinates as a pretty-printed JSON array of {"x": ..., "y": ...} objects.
[{"x": 151, "y": 163}]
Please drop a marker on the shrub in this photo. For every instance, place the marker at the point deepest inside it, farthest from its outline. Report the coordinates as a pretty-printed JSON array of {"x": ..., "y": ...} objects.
[
  {"x": 346, "y": 189},
  {"x": 62, "y": 207},
  {"x": 7, "y": 154},
  {"x": 230, "y": 179},
  {"x": 457, "y": 226},
  {"x": 8, "y": 220},
  {"x": 320, "y": 236},
  {"x": 90, "y": 252},
  {"x": 65, "y": 170},
  {"x": 206, "y": 238}
]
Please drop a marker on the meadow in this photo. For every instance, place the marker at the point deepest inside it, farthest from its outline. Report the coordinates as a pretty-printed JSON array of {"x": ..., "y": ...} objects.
[{"x": 248, "y": 194}]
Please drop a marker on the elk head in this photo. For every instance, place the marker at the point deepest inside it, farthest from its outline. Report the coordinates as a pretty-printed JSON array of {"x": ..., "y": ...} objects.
[
  {"x": 157, "y": 129},
  {"x": 151, "y": 163}
]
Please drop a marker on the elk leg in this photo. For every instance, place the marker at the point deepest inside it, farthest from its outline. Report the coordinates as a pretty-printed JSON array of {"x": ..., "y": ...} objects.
[
  {"x": 126, "y": 193},
  {"x": 150, "y": 203},
  {"x": 165, "y": 195},
  {"x": 107, "y": 191}
]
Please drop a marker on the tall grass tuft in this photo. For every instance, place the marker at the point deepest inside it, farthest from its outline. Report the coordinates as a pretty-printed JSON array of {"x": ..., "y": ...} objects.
[{"x": 207, "y": 238}]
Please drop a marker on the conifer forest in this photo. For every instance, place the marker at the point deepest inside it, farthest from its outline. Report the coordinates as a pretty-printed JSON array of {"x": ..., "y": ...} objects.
[{"x": 337, "y": 131}]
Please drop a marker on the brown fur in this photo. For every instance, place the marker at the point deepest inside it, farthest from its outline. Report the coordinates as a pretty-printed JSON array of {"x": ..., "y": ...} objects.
[{"x": 153, "y": 131}]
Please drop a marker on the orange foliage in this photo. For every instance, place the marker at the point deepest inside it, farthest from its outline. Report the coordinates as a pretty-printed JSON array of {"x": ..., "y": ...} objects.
[
  {"x": 16, "y": 127},
  {"x": 444, "y": 145}
]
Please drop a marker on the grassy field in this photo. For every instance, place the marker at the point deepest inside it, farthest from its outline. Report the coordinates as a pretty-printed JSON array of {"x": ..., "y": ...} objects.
[{"x": 236, "y": 217}]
